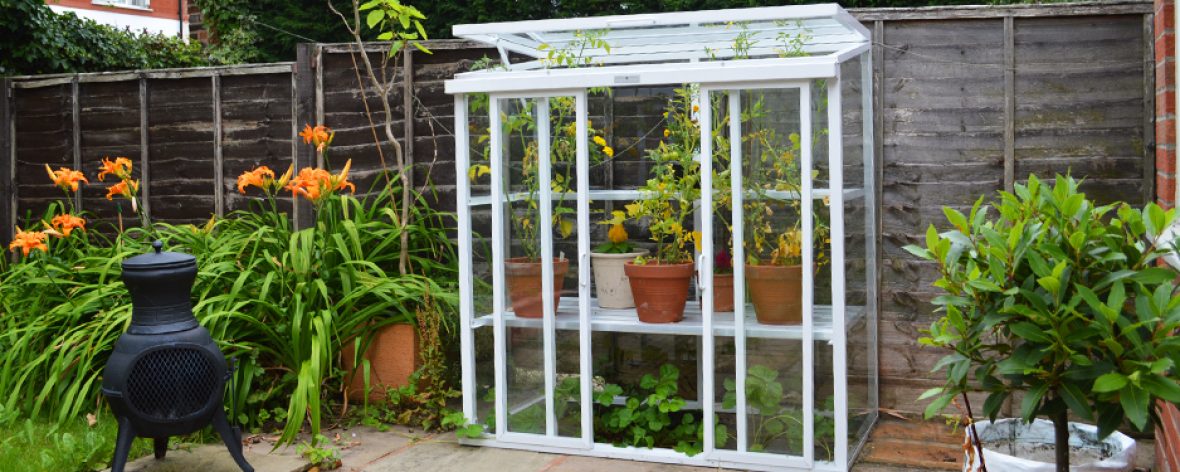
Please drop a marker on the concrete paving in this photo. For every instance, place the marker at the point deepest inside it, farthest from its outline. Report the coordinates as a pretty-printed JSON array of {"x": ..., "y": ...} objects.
[{"x": 399, "y": 449}]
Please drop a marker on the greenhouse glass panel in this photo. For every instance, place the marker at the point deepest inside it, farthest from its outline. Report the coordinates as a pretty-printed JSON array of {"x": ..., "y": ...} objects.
[{"x": 655, "y": 215}]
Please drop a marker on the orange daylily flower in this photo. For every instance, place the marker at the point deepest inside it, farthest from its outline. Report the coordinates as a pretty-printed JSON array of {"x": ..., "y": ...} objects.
[
  {"x": 66, "y": 223},
  {"x": 66, "y": 178},
  {"x": 321, "y": 136},
  {"x": 313, "y": 183},
  {"x": 257, "y": 178},
  {"x": 120, "y": 167},
  {"x": 126, "y": 188},
  {"x": 26, "y": 241}
]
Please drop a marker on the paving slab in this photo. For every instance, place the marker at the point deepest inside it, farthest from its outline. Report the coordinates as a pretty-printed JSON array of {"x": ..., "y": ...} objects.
[
  {"x": 215, "y": 458},
  {"x": 364, "y": 449}
]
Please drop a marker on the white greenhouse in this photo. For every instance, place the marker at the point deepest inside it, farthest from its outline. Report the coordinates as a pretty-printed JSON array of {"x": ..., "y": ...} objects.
[{"x": 621, "y": 182}]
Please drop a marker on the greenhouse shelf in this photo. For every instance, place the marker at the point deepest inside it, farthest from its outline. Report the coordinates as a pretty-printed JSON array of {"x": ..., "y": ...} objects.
[{"x": 625, "y": 321}]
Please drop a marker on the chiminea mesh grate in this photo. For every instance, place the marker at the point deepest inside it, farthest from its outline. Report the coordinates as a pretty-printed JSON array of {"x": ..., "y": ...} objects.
[{"x": 171, "y": 383}]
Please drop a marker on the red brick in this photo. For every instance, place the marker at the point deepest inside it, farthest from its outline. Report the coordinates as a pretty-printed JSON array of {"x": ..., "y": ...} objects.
[
  {"x": 1165, "y": 132},
  {"x": 1165, "y": 75},
  {"x": 1168, "y": 439},
  {"x": 1165, "y": 187},
  {"x": 1165, "y": 99},
  {"x": 1164, "y": 17},
  {"x": 1165, "y": 46},
  {"x": 1165, "y": 160}
]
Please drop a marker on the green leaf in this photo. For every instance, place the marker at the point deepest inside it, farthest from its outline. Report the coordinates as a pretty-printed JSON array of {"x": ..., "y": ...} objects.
[
  {"x": 1032, "y": 400},
  {"x": 940, "y": 403},
  {"x": 1162, "y": 387},
  {"x": 1076, "y": 400},
  {"x": 1135, "y": 404},
  {"x": 1110, "y": 382},
  {"x": 374, "y": 18},
  {"x": 1029, "y": 332}
]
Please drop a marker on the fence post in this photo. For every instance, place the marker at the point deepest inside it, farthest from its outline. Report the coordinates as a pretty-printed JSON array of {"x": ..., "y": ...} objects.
[
  {"x": 1009, "y": 103},
  {"x": 218, "y": 159},
  {"x": 145, "y": 194},
  {"x": 7, "y": 189},
  {"x": 305, "y": 109},
  {"x": 408, "y": 114}
]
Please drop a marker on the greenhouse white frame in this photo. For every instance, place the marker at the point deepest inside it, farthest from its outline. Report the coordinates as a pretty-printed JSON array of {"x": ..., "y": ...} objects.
[{"x": 662, "y": 50}]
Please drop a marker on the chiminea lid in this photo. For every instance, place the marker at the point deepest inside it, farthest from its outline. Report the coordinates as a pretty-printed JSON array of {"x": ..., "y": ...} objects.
[{"x": 158, "y": 259}]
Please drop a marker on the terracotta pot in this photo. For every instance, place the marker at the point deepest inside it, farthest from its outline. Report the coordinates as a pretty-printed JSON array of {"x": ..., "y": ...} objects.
[
  {"x": 660, "y": 290},
  {"x": 777, "y": 293},
  {"x": 611, "y": 286},
  {"x": 722, "y": 292},
  {"x": 393, "y": 357},
  {"x": 524, "y": 285}
]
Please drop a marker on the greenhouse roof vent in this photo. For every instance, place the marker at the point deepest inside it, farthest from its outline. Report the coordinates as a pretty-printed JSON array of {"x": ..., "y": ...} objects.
[{"x": 715, "y": 35}]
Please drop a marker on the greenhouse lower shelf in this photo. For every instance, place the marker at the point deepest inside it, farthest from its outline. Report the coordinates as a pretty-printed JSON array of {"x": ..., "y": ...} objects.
[{"x": 626, "y": 321}]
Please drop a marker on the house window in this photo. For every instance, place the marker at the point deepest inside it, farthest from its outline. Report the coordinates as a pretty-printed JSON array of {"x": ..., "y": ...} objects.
[{"x": 128, "y": 3}]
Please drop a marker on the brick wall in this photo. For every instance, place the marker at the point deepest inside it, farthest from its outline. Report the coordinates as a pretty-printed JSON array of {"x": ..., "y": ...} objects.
[
  {"x": 1165, "y": 103},
  {"x": 1168, "y": 434}
]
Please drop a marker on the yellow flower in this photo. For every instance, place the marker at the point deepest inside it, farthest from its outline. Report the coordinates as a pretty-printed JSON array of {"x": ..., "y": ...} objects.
[
  {"x": 599, "y": 141},
  {"x": 617, "y": 233},
  {"x": 667, "y": 132},
  {"x": 610, "y": 152},
  {"x": 696, "y": 108},
  {"x": 477, "y": 171},
  {"x": 696, "y": 240}
]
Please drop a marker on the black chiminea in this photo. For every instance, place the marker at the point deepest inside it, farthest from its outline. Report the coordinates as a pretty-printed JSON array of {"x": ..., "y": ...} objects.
[{"x": 166, "y": 376}]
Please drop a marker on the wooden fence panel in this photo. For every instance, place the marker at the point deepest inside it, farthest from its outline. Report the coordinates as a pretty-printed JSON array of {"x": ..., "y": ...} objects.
[{"x": 970, "y": 100}]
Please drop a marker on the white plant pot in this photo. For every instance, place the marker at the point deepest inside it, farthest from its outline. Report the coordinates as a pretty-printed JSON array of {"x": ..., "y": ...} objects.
[
  {"x": 611, "y": 285},
  {"x": 1020, "y": 447}
]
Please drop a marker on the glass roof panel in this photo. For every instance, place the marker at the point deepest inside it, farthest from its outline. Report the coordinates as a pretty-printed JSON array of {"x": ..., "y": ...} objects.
[{"x": 788, "y": 31}]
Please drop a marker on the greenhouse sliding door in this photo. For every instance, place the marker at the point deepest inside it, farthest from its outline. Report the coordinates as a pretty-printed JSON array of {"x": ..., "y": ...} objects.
[
  {"x": 535, "y": 162},
  {"x": 771, "y": 249}
]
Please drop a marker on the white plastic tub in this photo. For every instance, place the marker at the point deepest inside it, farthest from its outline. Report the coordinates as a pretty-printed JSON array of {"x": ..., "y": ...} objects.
[{"x": 1010, "y": 445}]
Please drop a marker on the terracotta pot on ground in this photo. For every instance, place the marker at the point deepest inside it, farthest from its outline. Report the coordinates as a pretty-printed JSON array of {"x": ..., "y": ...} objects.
[
  {"x": 660, "y": 290},
  {"x": 722, "y": 292},
  {"x": 610, "y": 282},
  {"x": 393, "y": 357},
  {"x": 524, "y": 285},
  {"x": 777, "y": 293}
]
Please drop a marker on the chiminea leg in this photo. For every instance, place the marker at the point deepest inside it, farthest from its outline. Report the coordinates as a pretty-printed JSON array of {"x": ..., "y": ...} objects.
[
  {"x": 161, "y": 447},
  {"x": 123, "y": 445},
  {"x": 232, "y": 438}
]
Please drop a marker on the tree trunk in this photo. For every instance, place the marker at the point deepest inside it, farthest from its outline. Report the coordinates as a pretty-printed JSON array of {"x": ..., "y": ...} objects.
[{"x": 1061, "y": 438}]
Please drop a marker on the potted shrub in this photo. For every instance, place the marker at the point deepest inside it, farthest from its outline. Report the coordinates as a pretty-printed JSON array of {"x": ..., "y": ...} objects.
[
  {"x": 660, "y": 282},
  {"x": 523, "y": 273},
  {"x": 774, "y": 243},
  {"x": 1061, "y": 299},
  {"x": 611, "y": 285}
]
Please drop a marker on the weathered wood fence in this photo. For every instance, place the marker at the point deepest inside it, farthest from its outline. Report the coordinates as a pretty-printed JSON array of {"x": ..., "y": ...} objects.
[{"x": 969, "y": 100}]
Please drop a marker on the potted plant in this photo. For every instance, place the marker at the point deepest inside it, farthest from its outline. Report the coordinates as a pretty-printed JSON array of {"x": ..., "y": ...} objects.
[
  {"x": 523, "y": 273},
  {"x": 611, "y": 285},
  {"x": 723, "y": 281},
  {"x": 774, "y": 242},
  {"x": 1061, "y": 299},
  {"x": 660, "y": 282}
]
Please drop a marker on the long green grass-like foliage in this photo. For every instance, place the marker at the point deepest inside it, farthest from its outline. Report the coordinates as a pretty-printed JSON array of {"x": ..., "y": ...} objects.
[{"x": 282, "y": 301}]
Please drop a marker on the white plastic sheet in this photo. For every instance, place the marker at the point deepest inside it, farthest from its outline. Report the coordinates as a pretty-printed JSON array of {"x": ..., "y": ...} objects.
[{"x": 1041, "y": 432}]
